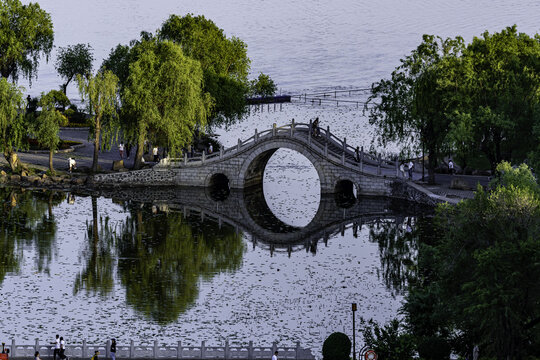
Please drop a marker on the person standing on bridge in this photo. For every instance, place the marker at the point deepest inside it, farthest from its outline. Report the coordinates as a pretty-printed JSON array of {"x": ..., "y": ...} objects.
[
  {"x": 316, "y": 130},
  {"x": 113, "y": 349},
  {"x": 410, "y": 166},
  {"x": 56, "y": 344},
  {"x": 402, "y": 169}
]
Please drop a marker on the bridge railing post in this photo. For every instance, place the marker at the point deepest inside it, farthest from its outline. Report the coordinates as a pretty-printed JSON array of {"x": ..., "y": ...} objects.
[
  {"x": 310, "y": 129},
  {"x": 203, "y": 156},
  {"x": 357, "y": 153},
  {"x": 328, "y": 133},
  {"x": 179, "y": 350},
  {"x": 274, "y": 129},
  {"x": 256, "y": 136},
  {"x": 343, "y": 158},
  {"x": 239, "y": 145},
  {"x": 185, "y": 158},
  {"x": 292, "y": 127},
  {"x": 362, "y": 159},
  {"x": 344, "y": 144},
  {"x": 379, "y": 165}
]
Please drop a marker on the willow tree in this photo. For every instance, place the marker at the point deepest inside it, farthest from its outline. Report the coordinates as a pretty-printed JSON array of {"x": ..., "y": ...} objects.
[
  {"x": 26, "y": 33},
  {"x": 224, "y": 62},
  {"x": 164, "y": 96},
  {"x": 12, "y": 129},
  {"x": 100, "y": 93},
  {"x": 412, "y": 106},
  {"x": 47, "y": 125}
]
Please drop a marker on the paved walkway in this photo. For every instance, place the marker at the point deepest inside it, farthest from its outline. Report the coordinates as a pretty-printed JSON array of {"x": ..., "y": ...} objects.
[{"x": 84, "y": 154}]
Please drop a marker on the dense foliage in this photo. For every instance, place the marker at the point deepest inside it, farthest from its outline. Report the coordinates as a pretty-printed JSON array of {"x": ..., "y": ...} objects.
[
  {"x": 46, "y": 126},
  {"x": 337, "y": 346},
  {"x": 263, "y": 86},
  {"x": 163, "y": 98},
  {"x": 478, "y": 284},
  {"x": 74, "y": 60},
  {"x": 467, "y": 101},
  {"x": 224, "y": 62},
  {"x": 12, "y": 128},
  {"x": 26, "y": 33}
]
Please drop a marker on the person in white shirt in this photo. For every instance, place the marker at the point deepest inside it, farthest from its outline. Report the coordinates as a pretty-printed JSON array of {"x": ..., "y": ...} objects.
[
  {"x": 155, "y": 152},
  {"x": 56, "y": 344},
  {"x": 274, "y": 357},
  {"x": 62, "y": 348},
  {"x": 72, "y": 164},
  {"x": 410, "y": 165},
  {"x": 121, "y": 150},
  {"x": 451, "y": 167}
]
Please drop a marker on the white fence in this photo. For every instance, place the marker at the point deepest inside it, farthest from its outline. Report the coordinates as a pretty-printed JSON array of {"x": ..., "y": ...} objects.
[{"x": 156, "y": 351}]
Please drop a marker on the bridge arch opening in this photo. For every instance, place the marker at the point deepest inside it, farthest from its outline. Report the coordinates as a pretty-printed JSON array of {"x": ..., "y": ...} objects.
[
  {"x": 290, "y": 185},
  {"x": 345, "y": 193},
  {"x": 219, "y": 187}
]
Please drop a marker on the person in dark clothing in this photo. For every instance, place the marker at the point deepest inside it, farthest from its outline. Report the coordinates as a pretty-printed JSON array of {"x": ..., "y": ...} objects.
[
  {"x": 113, "y": 349},
  {"x": 56, "y": 344},
  {"x": 95, "y": 357}
]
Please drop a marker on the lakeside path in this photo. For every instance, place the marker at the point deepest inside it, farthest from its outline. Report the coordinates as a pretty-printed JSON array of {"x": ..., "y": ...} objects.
[{"x": 83, "y": 155}]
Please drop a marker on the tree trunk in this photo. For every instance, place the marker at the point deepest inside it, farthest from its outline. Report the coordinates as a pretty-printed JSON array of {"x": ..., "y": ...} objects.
[
  {"x": 432, "y": 164},
  {"x": 64, "y": 88},
  {"x": 139, "y": 154},
  {"x": 12, "y": 159},
  {"x": 51, "y": 168},
  {"x": 96, "y": 145}
]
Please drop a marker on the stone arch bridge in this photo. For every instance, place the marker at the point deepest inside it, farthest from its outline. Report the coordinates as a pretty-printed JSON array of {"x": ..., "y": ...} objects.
[{"x": 340, "y": 167}]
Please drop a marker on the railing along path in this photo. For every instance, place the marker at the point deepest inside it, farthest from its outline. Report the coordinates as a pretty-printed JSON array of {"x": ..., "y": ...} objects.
[
  {"x": 322, "y": 141},
  {"x": 157, "y": 351}
]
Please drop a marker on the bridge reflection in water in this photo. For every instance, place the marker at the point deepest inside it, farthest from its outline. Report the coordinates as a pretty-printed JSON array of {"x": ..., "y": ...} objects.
[{"x": 248, "y": 212}]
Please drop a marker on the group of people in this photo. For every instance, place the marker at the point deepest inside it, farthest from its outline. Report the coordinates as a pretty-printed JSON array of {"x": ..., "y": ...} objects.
[
  {"x": 407, "y": 168},
  {"x": 60, "y": 348},
  {"x": 127, "y": 149}
]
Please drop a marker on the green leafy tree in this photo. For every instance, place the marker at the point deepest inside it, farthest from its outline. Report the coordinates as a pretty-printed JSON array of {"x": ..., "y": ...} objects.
[
  {"x": 500, "y": 93},
  {"x": 484, "y": 274},
  {"x": 26, "y": 33},
  {"x": 47, "y": 125},
  {"x": 60, "y": 99},
  {"x": 390, "y": 341},
  {"x": 263, "y": 86},
  {"x": 74, "y": 60},
  {"x": 412, "y": 107},
  {"x": 224, "y": 62},
  {"x": 164, "y": 97},
  {"x": 12, "y": 128},
  {"x": 100, "y": 93}
]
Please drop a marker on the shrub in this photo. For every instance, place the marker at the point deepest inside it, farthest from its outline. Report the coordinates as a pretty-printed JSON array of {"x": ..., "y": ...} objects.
[{"x": 337, "y": 347}]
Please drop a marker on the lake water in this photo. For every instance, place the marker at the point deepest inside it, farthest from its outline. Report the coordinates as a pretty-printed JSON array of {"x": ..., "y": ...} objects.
[{"x": 155, "y": 271}]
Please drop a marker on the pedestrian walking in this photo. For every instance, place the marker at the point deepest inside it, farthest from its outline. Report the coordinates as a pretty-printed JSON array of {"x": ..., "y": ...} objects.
[
  {"x": 402, "y": 169},
  {"x": 113, "y": 349},
  {"x": 274, "y": 357},
  {"x": 410, "y": 166},
  {"x": 95, "y": 357},
  {"x": 36, "y": 356},
  {"x": 155, "y": 152},
  {"x": 451, "y": 169},
  {"x": 56, "y": 344},
  {"x": 62, "y": 351},
  {"x": 210, "y": 148},
  {"x": 72, "y": 164},
  {"x": 121, "y": 150}
]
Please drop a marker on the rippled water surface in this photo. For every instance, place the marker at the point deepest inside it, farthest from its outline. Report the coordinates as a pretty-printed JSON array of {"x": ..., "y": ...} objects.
[{"x": 282, "y": 264}]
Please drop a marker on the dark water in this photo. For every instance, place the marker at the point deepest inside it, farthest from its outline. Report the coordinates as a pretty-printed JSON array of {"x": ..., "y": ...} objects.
[{"x": 181, "y": 265}]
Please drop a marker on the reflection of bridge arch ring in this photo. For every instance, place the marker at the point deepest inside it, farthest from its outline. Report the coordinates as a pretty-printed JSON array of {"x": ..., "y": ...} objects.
[
  {"x": 370, "y": 355},
  {"x": 345, "y": 193},
  {"x": 218, "y": 186}
]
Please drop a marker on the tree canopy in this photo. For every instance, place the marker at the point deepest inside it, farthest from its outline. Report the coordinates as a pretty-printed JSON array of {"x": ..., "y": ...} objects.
[
  {"x": 74, "y": 60},
  {"x": 478, "y": 283},
  {"x": 12, "y": 129},
  {"x": 46, "y": 126},
  {"x": 263, "y": 86},
  {"x": 164, "y": 97},
  {"x": 26, "y": 34},
  {"x": 465, "y": 101},
  {"x": 224, "y": 62},
  {"x": 100, "y": 92}
]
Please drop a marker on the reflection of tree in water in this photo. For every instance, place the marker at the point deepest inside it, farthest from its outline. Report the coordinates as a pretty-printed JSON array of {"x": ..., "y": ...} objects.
[
  {"x": 26, "y": 219},
  {"x": 398, "y": 241},
  {"x": 161, "y": 258},
  {"x": 97, "y": 277}
]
